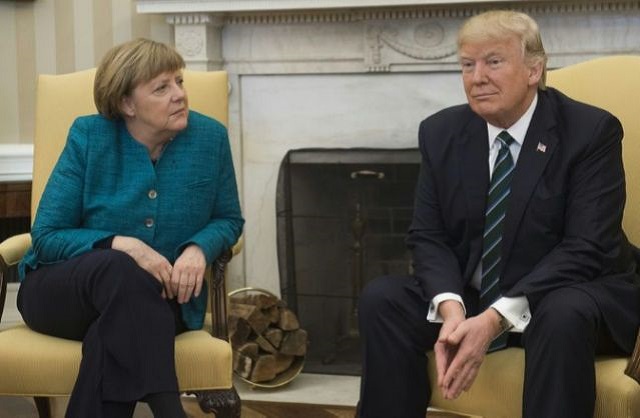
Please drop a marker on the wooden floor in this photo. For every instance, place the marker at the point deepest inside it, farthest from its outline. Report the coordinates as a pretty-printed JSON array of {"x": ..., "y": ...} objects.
[
  {"x": 11, "y": 407},
  {"x": 256, "y": 409}
]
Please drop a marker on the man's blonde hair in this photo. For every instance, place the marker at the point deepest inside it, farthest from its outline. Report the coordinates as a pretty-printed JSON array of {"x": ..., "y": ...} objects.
[
  {"x": 500, "y": 24},
  {"x": 127, "y": 65}
]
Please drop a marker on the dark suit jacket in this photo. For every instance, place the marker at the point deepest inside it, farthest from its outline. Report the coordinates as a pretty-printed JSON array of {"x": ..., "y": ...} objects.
[{"x": 563, "y": 223}]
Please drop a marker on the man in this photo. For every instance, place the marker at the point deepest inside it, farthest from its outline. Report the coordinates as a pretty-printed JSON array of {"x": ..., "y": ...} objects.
[{"x": 517, "y": 227}]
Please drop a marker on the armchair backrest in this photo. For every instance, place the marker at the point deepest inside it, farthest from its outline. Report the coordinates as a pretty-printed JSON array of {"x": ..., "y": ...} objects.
[
  {"x": 612, "y": 83},
  {"x": 62, "y": 98}
]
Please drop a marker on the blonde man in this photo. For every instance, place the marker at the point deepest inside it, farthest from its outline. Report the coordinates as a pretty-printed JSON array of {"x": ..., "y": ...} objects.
[{"x": 516, "y": 240}]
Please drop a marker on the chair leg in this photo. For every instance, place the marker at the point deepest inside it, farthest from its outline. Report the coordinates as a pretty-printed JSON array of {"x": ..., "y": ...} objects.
[
  {"x": 43, "y": 406},
  {"x": 223, "y": 403}
]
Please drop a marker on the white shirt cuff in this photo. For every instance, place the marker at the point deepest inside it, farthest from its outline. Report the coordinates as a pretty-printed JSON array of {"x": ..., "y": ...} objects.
[
  {"x": 433, "y": 315},
  {"x": 515, "y": 310}
]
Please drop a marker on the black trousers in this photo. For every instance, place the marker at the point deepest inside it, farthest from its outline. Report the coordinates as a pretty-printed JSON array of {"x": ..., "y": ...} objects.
[
  {"x": 104, "y": 299},
  {"x": 560, "y": 344}
]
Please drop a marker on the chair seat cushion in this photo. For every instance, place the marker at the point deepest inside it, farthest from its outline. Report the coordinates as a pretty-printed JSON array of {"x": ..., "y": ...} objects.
[
  {"x": 497, "y": 391},
  {"x": 35, "y": 364}
]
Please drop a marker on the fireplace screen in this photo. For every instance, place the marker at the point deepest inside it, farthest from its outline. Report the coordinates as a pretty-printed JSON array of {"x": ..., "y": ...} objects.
[{"x": 342, "y": 217}]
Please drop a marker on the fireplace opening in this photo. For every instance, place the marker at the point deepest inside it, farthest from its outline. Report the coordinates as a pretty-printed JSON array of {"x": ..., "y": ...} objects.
[{"x": 342, "y": 217}]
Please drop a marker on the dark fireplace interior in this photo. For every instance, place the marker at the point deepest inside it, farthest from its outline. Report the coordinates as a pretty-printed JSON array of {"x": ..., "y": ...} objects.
[{"x": 342, "y": 217}]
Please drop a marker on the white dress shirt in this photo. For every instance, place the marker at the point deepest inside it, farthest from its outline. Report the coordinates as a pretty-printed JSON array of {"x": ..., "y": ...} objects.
[{"x": 516, "y": 309}]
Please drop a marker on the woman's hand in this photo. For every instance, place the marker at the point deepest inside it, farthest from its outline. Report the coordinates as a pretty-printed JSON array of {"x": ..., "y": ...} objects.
[
  {"x": 188, "y": 273},
  {"x": 147, "y": 258}
]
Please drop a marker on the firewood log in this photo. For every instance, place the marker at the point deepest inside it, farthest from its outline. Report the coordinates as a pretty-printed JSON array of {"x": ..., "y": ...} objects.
[
  {"x": 288, "y": 320},
  {"x": 264, "y": 369},
  {"x": 294, "y": 343},
  {"x": 251, "y": 314}
]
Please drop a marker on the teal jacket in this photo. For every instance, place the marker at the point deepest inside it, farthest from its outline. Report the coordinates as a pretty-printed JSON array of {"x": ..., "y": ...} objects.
[{"x": 104, "y": 184}]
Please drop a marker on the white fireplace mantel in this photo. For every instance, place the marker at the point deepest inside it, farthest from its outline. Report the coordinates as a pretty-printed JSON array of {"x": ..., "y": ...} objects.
[
  {"x": 217, "y": 6},
  {"x": 328, "y": 36},
  {"x": 350, "y": 73}
]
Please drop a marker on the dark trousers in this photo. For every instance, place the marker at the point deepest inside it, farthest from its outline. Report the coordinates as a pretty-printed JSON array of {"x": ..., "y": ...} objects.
[
  {"x": 560, "y": 344},
  {"x": 104, "y": 299}
]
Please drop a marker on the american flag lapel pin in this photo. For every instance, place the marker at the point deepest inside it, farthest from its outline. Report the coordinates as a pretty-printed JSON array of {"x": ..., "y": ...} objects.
[{"x": 541, "y": 147}]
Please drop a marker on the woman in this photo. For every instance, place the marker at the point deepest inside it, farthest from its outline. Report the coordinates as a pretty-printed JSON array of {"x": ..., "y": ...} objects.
[{"x": 142, "y": 198}]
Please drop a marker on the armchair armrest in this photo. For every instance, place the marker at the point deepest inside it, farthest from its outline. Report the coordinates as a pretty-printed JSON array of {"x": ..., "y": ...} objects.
[
  {"x": 633, "y": 367},
  {"x": 218, "y": 292},
  {"x": 14, "y": 248},
  {"x": 11, "y": 252}
]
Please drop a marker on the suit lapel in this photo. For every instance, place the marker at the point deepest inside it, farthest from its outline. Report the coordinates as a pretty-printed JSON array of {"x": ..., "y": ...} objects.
[
  {"x": 473, "y": 150},
  {"x": 539, "y": 145}
]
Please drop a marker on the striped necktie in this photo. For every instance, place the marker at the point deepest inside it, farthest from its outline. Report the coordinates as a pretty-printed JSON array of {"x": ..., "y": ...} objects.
[{"x": 497, "y": 200}]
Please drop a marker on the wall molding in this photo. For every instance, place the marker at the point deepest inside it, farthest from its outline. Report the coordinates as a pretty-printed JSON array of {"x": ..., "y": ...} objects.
[
  {"x": 16, "y": 162},
  {"x": 379, "y": 7},
  {"x": 218, "y": 6},
  {"x": 244, "y": 12},
  {"x": 420, "y": 12}
]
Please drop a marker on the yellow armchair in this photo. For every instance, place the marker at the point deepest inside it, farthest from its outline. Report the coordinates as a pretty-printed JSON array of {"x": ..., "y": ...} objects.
[
  {"x": 45, "y": 367},
  {"x": 610, "y": 83}
]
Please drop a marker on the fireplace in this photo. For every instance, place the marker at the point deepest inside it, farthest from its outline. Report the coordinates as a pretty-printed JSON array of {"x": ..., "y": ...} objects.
[
  {"x": 342, "y": 216},
  {"x": 350, "y": 73}
]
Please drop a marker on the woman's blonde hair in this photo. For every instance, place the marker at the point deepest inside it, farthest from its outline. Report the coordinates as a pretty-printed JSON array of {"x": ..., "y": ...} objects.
[
  {"x": 125, "y": 66},
  {"x": 500, "y": 24}
]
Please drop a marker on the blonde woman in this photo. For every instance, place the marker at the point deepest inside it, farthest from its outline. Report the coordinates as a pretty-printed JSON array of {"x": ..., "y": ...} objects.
[{"x": 142, "y": 198}]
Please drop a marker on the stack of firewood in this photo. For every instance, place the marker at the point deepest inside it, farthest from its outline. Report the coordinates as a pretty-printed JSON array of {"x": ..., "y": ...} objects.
[{"x": 265, "y": 335}]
